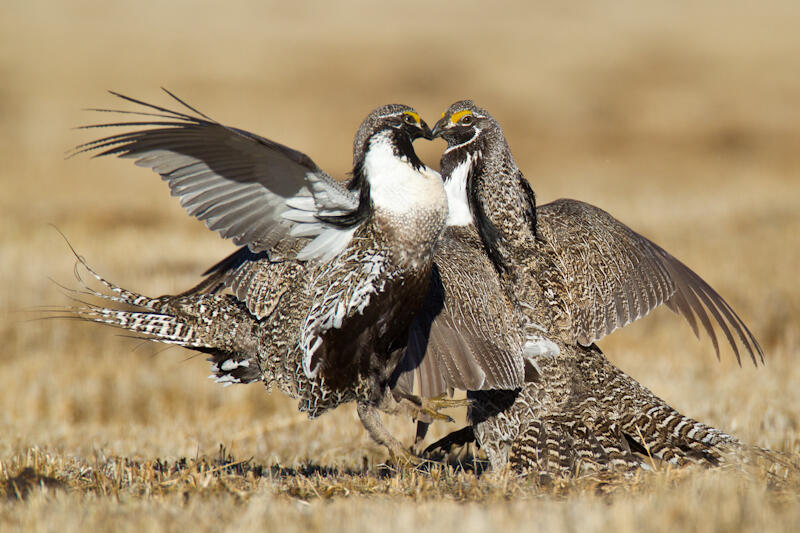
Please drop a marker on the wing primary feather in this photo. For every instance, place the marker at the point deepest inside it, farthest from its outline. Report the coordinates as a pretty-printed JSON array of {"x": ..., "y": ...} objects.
[
  {"x": 233, "y": 180},
  {"x": 692, "y": 298},
  {"x": 678, "y": 304},
  {"x": 745, "y": 334},
  {"x": 723, "y": 325},
  {"x": 187, "y": 106},
  {"x": 153, "y": 106},
  {"x": 129, "y": 112},
  {"x": 719, "y": 305}
]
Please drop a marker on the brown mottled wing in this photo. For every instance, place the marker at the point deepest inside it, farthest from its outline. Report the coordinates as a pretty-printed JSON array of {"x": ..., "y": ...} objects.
[
  {"x": 235, "y": 181},
  {"x": 614, "y": 276},
  {"x": 255, "y": 279},
  {"x": 466, "y": 336}
]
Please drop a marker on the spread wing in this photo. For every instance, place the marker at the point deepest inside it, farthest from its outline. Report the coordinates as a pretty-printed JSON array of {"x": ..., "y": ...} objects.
[
  {"x": 236, "y": 182},
  {"x": 614, "y": 276},
  {"x": 467, "y": 336}
]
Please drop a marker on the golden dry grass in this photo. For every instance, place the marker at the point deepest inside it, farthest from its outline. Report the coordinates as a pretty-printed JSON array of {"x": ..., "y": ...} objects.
[{"x": 681, "y": 119}]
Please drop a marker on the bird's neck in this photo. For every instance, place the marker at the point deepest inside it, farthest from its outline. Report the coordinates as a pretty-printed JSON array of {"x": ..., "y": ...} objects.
[
  {"x": 408, "y": 201},
  {"x": 502, "y": 204}
]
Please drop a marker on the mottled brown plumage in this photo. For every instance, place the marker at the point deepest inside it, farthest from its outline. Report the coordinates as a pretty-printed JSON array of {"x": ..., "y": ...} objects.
[
  {"x": 331, "y": 275},
  {"x": 467, "y": 335},
  {"x": 573, "y": 273}
]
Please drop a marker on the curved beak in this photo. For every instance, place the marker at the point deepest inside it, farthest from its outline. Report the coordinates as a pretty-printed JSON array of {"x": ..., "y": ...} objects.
[{"x": 439, "y": 127}]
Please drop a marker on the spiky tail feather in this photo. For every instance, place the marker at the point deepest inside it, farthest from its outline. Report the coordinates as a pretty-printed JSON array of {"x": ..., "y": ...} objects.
[
  {"x": 564, "y": 446},
  {"x": 611, "y": 423},
  {"x": 214, "y": 324},
  {"x": 779, "y": 467},
  {"x": 649, "y": 426},
  {"x": 658, "y": 432}
]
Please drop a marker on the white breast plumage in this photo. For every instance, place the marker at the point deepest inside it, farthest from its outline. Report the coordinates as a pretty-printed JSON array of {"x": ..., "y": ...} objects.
[
  {"x": 395, "y": 185},
  {"x": 459, "y": 213}
]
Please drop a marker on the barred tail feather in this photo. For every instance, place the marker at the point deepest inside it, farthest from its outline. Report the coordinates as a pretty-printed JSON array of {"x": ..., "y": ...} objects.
[
  {"x": 156, "y": 326},
  {"x": 120, "y": 295},
  {"x": 214, "y": 324},
  {"x": 666, "y": 435},
  {"x": 692, "y": 442},
  {"x": 659, "y": 432}
]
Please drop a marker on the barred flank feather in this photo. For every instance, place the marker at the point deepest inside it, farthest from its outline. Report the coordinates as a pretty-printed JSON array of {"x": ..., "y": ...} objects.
[
  {"x": 565, "y": 445},
  {"x": 587, "y": 415}
]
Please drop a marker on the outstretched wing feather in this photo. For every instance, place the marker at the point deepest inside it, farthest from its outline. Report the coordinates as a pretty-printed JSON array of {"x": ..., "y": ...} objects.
[
  {"x": 233, "y": 180},
  {"x": 633, "y": 276}
]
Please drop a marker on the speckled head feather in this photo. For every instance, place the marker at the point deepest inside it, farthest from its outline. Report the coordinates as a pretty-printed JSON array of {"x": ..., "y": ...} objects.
[
  {"x": 462, "y": 123},
  {"x": 377, "y": 120},
  {"x": 407, "y": 126}
]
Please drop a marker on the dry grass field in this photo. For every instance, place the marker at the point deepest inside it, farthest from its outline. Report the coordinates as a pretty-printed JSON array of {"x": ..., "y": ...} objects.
[{"x": 682, "y": 119}]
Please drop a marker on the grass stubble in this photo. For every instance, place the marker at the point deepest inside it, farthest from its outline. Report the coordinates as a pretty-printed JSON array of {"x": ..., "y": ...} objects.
[{"x": 689, "y": 136}]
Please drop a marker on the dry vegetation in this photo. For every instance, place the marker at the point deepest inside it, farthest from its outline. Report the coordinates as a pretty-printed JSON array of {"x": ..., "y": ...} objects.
[{"x": 682, "y": 120}]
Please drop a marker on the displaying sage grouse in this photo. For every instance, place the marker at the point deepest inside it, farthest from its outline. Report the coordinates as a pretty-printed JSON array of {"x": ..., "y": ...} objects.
[
  {"x": 571, "y": 274},
  {"x": 329, "y": 276}
]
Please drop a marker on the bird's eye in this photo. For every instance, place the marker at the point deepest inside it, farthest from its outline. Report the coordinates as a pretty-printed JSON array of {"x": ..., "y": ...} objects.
[
  {"x": 467, "y": 120},
  {"x": 409, "y": 119}
]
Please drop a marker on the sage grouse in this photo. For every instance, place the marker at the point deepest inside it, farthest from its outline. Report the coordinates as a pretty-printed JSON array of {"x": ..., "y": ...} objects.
[
  {"x": 571, "y": 274},
  {"x": 329, "y": 276}
]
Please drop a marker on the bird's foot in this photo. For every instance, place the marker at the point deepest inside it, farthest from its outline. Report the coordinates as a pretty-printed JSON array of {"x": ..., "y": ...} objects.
[{"x": 428, "y": 409}]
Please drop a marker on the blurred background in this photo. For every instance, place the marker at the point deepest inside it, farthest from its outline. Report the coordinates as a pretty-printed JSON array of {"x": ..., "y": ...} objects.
[{"x": 682, "y": 119}]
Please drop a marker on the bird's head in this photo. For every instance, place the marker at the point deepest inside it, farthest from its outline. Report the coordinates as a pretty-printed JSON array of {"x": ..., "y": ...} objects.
[
  {"x": 401, "y": 122},
  {"x": 464, "y": 126}
]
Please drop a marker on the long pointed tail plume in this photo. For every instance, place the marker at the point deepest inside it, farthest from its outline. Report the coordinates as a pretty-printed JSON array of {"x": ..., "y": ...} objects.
[{"x": 216, "y": 324}]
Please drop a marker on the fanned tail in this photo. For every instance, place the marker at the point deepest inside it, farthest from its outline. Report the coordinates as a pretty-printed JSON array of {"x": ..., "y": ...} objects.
[{"x": 210, "y": 323}]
